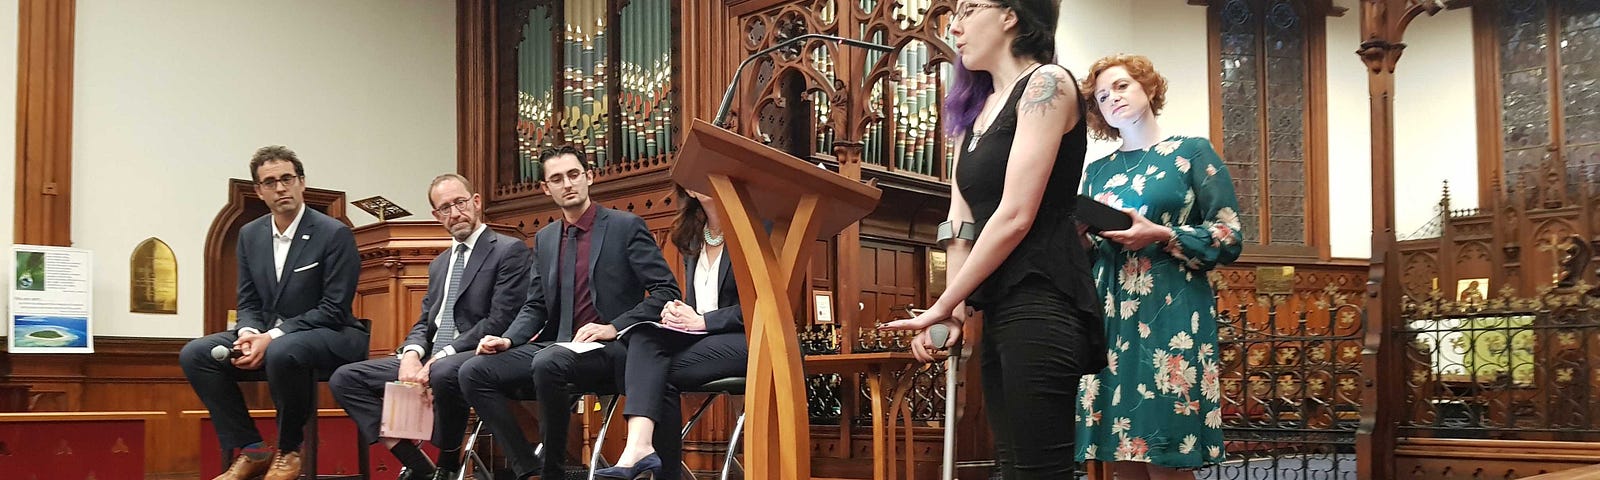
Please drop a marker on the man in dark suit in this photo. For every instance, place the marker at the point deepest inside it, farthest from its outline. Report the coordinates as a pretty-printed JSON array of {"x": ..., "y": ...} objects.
[
  {"x": 598, "y": 271},
  {"x": 474, "y": 289},
  {"x": 297, "y": 277}
]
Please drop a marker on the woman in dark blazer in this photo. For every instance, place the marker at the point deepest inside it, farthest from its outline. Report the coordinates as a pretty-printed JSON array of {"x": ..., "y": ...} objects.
[{"x": 698, "y": 340}]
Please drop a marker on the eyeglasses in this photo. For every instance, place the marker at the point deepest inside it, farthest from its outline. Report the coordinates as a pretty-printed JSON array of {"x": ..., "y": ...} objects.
[
  {"x": 458, "y": 205},
  {"x": 571, "y": 176},
  {"x": 964, "y": 11},
  {"x": 287, "y": 181}
]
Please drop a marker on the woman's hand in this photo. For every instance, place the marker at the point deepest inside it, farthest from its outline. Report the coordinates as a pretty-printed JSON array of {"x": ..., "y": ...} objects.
[
  {"x": 932, "y": 315},
  {"x": 923, "y": 348},
  {"x": 1142, "y": 234},
  {"x": 678, "y": 315}
]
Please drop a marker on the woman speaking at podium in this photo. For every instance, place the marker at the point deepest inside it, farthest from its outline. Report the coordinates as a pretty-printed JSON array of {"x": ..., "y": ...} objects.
[{"x": 1013, "y": 250}]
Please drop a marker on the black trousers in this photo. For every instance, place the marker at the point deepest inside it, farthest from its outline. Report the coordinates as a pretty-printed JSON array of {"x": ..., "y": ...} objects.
[
  {"x": 290, "y": 365},
  {"x": 662, "y": 363},
  {"x": 558, "y": 373},
  {"x": 359, "y": 389},
  {"x": 490, "y": 383},
  {"x": 1033, "y": 345}
]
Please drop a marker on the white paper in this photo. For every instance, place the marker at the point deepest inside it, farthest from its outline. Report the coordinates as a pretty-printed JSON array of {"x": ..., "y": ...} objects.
[
  {"x": 662, "y": 326},
  {"x": 51, "y": 300},
  {"x": 580, "y": 347}
]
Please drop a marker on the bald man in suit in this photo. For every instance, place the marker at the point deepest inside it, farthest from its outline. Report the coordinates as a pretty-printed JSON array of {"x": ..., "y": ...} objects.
[{"x": 474, "y": 289}]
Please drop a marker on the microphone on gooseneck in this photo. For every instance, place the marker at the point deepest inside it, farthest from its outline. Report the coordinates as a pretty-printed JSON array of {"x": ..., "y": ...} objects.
[{"x": 222, "y": 353}]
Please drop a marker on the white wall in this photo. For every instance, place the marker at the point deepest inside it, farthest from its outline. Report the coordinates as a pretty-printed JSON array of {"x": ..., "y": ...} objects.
[
  {"x": 1349, "y": 139},
  {"x": 8, "y": 144},
  {"x": 178, "y": 94},
  {"x": 1090, "y": 29},
  {"x": 1434, "y": 121},
  {"x": 1435, "y": 116}
]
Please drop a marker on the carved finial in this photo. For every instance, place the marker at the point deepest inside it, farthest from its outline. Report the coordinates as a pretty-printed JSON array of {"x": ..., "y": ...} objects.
[{"x": 1444, "y": 200}]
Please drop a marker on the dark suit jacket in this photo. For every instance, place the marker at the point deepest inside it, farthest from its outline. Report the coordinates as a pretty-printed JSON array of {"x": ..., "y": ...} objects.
[
  {"x": 728, "y": 317},
  {"x": 624, "y": 264},
  {"x": 319, "y": 276},
  {"x": 494, "y": 284}
]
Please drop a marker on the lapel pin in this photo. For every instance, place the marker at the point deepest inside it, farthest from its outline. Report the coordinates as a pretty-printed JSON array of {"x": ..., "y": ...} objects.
[{"x": 305, "y": 237}]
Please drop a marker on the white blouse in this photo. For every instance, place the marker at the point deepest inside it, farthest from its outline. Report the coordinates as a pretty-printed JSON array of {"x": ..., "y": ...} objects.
[{"x": 705, "y": 281}]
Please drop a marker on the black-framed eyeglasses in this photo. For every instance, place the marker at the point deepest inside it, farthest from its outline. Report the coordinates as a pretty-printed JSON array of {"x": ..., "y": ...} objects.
[
  {"x": 571, "y": 176},
  {"x": 966, "y": 10},
  {"x": 458, "y": 205},
  {"x": 287, "y": 180}
]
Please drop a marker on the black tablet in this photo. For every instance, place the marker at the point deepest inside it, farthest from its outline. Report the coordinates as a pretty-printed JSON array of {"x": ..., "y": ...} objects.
[{"x": 1101, "y": 217}]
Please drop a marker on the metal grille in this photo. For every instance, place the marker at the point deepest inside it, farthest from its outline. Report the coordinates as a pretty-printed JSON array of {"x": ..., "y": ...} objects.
[{"x": 1290, "y": 386}]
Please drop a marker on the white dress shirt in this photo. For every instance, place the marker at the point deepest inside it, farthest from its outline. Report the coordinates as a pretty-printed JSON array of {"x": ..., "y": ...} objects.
[
  {"x": 705, "y": 281},
  {"x": 465, "y": 256},
  {"x": 281, "y": 241}
]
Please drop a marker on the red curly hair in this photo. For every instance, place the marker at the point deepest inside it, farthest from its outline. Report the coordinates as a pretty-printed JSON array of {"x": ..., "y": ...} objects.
[{"x": 1142, "y": 71}]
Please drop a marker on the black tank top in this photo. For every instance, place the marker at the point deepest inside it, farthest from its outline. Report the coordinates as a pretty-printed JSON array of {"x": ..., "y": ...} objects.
[{"x": 1051, "y": 249}]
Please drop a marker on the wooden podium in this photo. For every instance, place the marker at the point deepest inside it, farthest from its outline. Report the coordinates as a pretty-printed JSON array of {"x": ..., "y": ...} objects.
[{"x": 773, "y": 206}]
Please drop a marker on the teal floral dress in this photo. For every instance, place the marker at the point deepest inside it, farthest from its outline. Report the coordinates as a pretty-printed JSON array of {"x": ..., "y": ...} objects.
[{"x": 1157, "y": 399}]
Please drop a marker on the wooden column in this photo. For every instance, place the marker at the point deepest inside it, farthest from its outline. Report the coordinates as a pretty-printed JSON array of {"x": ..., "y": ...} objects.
[
  {"x": 44, "y": 122},
  {"x": 1382, "y": 24}
]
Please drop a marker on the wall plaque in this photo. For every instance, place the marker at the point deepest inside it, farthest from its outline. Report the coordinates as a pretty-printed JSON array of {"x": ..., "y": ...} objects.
[
  {"x": 153, "y": 278},
  {"x": 1275, "y": 280}
]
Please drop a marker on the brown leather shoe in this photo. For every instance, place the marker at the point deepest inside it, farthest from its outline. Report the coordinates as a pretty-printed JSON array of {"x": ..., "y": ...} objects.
[
  {"x": 245, "y": 469},
  {"x": 285, "y": 466}
]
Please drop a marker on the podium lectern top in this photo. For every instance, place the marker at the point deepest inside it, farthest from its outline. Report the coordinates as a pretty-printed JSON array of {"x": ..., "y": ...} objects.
[{"x": 781, "y": 178}]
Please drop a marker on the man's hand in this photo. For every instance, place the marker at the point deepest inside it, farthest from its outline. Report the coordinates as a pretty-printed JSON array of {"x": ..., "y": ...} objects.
[
  {"x": 422, "y": 376},
  {"x": 411, "y": 367},
  {"x": 595, "y": 332},
  {"x": 490, "y": 345},
  {"x": 254, "y": 347}
]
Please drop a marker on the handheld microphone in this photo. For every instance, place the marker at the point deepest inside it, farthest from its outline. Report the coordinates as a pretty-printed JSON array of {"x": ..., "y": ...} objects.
[
  {"x": 727, "y": 95},
  {"x": 222, "y": 353},
  {"x": 939, "y": 333}
]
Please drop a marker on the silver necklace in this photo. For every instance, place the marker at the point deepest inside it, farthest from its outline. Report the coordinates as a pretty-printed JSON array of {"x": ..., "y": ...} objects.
[{"x": 978, "y": 134}]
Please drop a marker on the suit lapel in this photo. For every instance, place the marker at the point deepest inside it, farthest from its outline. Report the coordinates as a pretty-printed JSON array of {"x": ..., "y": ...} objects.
[
  {"x": 549, "y": 245},
  {"x": 302, "y": 236},
  {"x": 724, "y": 274},
  {"x": 690, "y": 266},
  {"x": 264, "y": 270},
  {"x": 438, "y": 269},
  {"x": 480, "y": 253},
  {"x": 596, "y": 239}
]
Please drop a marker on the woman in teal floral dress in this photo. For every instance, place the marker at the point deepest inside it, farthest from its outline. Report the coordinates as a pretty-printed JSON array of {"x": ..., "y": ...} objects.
[{"x": 1154, "y": 409}]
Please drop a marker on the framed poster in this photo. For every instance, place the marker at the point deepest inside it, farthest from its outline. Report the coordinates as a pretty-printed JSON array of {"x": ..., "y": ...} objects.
[
  {"x": 823, "y": 301},
  {"x": 51, "y": 300}
]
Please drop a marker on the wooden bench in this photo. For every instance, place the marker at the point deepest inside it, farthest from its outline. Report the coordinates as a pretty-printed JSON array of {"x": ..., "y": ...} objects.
[{"x": 74, "y": 444}]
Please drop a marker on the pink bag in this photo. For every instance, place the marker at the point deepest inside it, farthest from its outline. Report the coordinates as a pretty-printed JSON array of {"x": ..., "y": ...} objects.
[{"x": 407, "y": 412}]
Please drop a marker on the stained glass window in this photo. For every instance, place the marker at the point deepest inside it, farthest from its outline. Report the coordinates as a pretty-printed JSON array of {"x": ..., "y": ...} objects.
[
  {"x": 1263, "y": 52},
  {"x": 1550, "y": 89}
]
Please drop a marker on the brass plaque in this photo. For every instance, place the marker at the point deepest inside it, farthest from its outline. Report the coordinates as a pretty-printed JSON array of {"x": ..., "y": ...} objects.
[
  {"x": 1275, "y": 280},
  {"x": 153, "y": 278},
  {"x": 936, "y": 272}
]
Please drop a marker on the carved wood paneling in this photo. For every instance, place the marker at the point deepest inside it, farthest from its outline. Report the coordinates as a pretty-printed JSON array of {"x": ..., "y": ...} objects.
[
  {"x": 1438, "y": 459},
  {"x": 127, "y": 374}
]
